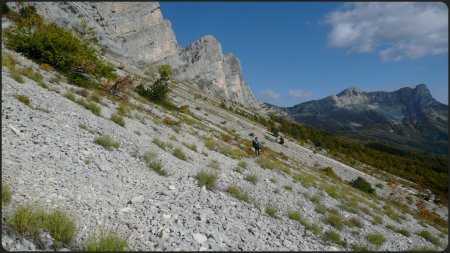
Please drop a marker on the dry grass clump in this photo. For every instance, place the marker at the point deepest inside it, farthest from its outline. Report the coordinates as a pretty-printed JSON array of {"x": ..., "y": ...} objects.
[
  {"x": 376, "y": 238},
  {"x": 29, "y": 221},
  {"x": 306, "y": 179},
  {"x": 178, "y": 153},
  {"x": 271, "y": 210},
  {"x": 119, "y": 120},
  {"x": 237, "y": 193},
  {"x": 6, "y": 194},
  {"x": 171, "y": 122},
  {"x": 233, "y": 153},
  {"x": 253, "y": 178},
  {"x": 106, "y": 241},
  {"x": 94, "y": 108},
  {"x": 107, "y": 142},
  {"x": 335, "y": 220},
  {"x": 210, "y": 143},
  {"x": 242, "y": 164},
  {"x": 207, "y": 179},
  {"x": 226, "y": 138},
  {"x": 69, "y": 95},
  {"x": 214, "y": 163},
  {"x": 192, "y": 146},
  {"x": 24, "y": 100}
]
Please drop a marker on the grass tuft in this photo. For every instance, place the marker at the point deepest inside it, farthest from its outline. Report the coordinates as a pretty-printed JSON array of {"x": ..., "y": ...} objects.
[
  {"x": 332, "y": 236},
  {"x": 107, "y": 142},
  {"x": 61, "y": 227},
  {"x": 376, "y": 239},
  {"x": 237, "y": 193},
  {"x": 119, "y": 120},
  {"x": 427, "y": 235},
  {"x": 271, "y": 210},
  {"x": 6, "y": 194},
  {"x": 214, "y": 163},
  {"x": 106, "y": 242},
  {"x": 335, "y": 220},
  {"x": 69, "y": 95},
  {"x": 192, "y": 146},
  {"x": 23, "y": 99},
  {"x": 93, "y": 107},
  {"x": 206, "y": 178},
  {"x": 242, "y": 164},
  {"x": 252, "y": 178},
  {"x": 178, "y": 153}
]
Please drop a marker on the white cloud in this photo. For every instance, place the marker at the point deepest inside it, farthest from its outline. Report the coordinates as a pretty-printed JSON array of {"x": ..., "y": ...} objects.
[
  {"x": 299, "y": 94},
  {"x": 270, "y": 94},
  {"x": 396, "y": 30}
]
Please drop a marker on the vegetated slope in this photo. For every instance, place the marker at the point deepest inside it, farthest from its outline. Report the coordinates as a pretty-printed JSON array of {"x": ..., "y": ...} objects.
[
  {"x": 137, "y": 167},
  {"x": 408, "y": 117},
  {"x": 50, "y": 157}
]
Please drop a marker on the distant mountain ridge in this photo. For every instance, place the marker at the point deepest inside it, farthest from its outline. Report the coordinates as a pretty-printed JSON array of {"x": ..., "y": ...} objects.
[{"x": 408, "y": 116}]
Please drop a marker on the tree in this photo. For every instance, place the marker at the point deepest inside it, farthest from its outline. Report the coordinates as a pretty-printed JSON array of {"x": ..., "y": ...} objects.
[{"x": 160, "y": 89}]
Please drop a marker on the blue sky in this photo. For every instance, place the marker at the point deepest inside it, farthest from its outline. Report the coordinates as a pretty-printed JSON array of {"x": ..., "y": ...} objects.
[{"x": 293, "y": 52}]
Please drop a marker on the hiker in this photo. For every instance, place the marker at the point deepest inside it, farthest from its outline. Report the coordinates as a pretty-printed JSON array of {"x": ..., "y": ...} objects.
[
  {"x": 281, "y": 140},
  {"x": 256, "y": 146}
]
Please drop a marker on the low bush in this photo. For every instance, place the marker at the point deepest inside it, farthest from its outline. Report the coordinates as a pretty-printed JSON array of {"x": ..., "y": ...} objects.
[
  {"x": 271, "y": 210},
  {"x": 178, "y": 153},
  {"x": 252, "y": 178},
  {"x": 119, "y": 120},
  {"x": 160, "y": 89},
  {"x": 106, "y": 241},
  {"x": 376, "y": 239},
  {"x": 236, "y": 192},
  {"x": 206, "y": 178},
  {"x": 361, "y": 184},
  {"x": 107, "y": 142}
]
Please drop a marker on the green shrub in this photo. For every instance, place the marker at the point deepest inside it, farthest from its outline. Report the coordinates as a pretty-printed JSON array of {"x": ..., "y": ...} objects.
[
  {"x": 376, "y": 239},
  {"x": 236, "y": 192},
  {"x": 56, "y": 46},
  {"x": 178, "y": 153},
  {"x": 23, "y": 99},
  {"x": 159, "y": 91},
  {"x": 361, "y": 184},
  {"x": 242, "y": 164},
  {"x": 335, "y": 221},
  {"x": 427, "y": 235},
  {"x": 206, "y": 178},
  {"x": 69, "y": 95},
  {"x": 320, "y": 208},
  {"x": 271, "y": 210},
  {"x": 377, "y": 220},
  {"x": 6, "y": 194},
  {"x": 61, "y": 227},
  {"x": 252, "y": 178},
  {"x": 107, "y": 241},
  {"x": 107, "y": 142},
  {"x": 119, "y": 120}
]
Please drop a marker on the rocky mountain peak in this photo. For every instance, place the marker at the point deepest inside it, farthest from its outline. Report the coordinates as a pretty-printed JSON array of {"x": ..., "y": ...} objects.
[
  {"x": 423, "y": 91},
  {"x": 350, "y": 92}
]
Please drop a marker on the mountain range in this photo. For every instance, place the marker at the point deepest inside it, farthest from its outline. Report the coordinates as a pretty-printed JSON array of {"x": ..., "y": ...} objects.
[{"x": 409, "y": 117}]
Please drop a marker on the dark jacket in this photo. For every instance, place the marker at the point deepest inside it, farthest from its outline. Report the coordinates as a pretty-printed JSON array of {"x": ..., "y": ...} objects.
[{"x": 255, "y": 144}]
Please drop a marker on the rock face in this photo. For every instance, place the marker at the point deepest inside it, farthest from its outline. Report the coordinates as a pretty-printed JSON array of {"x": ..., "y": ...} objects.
[
  {"x": 217, "y": 74},
  {"x": 137, "y": 33},
  {"x": 133, "y": 30},
  {"x": 407, "y": 114}
]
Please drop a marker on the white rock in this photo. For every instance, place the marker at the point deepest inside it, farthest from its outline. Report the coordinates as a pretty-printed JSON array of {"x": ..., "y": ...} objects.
[
  {"x": 171, "y": 187},
  {"x": 138, "y": 199},
  {"x": 199, "y": 238}
]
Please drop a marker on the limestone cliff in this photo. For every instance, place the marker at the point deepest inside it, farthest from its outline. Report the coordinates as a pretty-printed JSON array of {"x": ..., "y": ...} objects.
[{"x": 137, "y": 33}]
